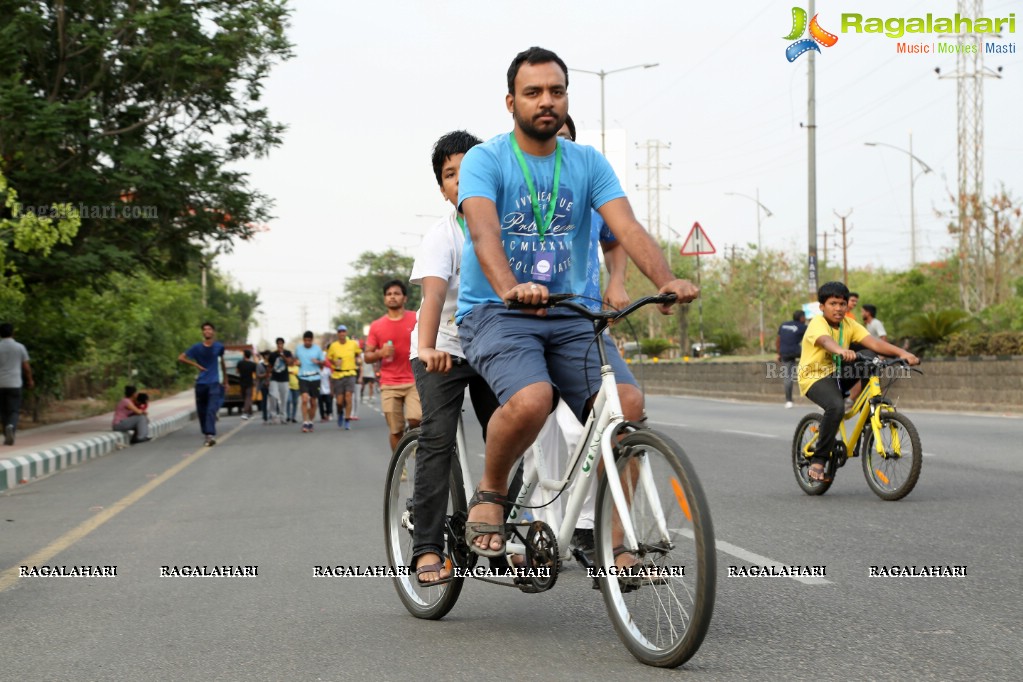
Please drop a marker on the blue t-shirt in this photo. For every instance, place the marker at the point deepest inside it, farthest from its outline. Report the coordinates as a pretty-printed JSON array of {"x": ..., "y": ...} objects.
[
  {"x": 490, "y": 170},
  {"x": 602, "y": 233},
  {"x": 307, "y": 369},
  {"x": 208, "y": 357}
]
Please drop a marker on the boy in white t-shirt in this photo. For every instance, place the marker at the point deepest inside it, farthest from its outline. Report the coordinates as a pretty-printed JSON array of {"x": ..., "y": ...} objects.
[{"x": 439, "y": 365}]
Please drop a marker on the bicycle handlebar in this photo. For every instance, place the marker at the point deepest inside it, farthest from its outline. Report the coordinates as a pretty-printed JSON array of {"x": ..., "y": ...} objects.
[
  {"x": 881, "y": 363},
  {"x": 565, "y": 301}
]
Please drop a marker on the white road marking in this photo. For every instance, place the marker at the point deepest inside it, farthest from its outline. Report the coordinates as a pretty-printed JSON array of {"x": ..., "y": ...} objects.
[
  {"x": 674, "y": 424},
  {"x": 929, "y": 454},
  {"x": 749, "y": 433},
  {"x": 756, "y": 559}
]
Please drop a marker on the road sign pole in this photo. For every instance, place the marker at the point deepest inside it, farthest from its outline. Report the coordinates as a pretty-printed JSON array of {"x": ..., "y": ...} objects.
[{"x": 699, "y": 302}]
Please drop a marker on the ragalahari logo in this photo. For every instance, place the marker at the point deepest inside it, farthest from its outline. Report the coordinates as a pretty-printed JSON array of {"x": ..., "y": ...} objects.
[{"x": 817, "y": 35}]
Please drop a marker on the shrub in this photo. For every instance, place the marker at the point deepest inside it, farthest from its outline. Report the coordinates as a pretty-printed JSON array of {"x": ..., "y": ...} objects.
[
  {"x": 654, "y": 347},
  {"x": 728, "y": 343},
  {"x": 981, "y": 343},
  {"x": 927, "y": 329}
]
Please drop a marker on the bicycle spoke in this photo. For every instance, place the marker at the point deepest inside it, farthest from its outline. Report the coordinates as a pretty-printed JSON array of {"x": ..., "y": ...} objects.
[{"x": 662, "y": 610}]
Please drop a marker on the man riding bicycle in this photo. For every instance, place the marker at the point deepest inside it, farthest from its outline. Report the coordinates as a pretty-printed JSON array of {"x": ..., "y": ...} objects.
[{"x": 527, "y": 200}]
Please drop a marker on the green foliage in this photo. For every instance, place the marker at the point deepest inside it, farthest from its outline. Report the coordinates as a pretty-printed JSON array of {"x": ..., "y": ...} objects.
[
  {"x": 92, "y": 340},
  {"x": 27, "y": 232},
  {"x": 1004, "y": 316},
  {"x": 930, "y": 287},
  {"x": 981, "y": 343},
  {"x": 930, "y": 328},
  {"x": 135, "y": 113},
  {"x": 728, "y": 342},
  {"x": 363, "y": 301},
  {"x": 654, "y": 347}
]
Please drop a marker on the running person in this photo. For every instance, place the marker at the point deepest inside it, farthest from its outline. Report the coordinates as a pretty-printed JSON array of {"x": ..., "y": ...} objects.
[
  {"x": 527, "y": 200},
  {"x": 345, "y": 357},
  {"x": 310, "y": 359},
  {"x": 389, "y": 342}
]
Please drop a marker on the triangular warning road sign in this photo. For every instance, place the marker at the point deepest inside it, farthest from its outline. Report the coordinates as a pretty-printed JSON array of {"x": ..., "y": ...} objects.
[{"x": 697, "y": 243}]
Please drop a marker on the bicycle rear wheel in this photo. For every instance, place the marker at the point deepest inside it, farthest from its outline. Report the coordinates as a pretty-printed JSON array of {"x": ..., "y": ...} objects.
[
  {"x": 422, "y": 601},
  {"x": 661, "y": 616},
  {"x": 807, "y": 431},
  {"x": 893, "y": 475}
]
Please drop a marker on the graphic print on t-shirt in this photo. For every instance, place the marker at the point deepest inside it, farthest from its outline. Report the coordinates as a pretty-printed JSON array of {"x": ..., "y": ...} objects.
[{"x": 529, "y": 258}]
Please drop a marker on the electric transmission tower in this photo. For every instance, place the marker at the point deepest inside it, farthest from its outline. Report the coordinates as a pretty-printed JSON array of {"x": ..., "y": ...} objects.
[
  {"x": 969, "y": 75},
  {"x": 653, "y": 185}
]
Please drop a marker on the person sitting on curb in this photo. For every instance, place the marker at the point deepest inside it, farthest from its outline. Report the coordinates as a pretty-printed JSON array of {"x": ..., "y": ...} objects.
[{"x": 130, "y": 415}]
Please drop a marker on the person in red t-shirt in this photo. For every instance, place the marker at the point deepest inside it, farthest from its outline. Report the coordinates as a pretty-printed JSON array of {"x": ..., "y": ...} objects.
[{"x": 389, "y": 342}]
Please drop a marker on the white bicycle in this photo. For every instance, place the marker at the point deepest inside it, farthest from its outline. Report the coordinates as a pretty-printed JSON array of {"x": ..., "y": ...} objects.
[{"x": 661, "y": 607}]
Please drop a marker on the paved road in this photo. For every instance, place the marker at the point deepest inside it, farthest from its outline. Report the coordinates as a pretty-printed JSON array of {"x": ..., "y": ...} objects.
[{"x": 271, "y": 497}]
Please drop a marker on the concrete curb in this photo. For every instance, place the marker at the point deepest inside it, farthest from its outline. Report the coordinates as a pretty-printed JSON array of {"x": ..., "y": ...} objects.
[{"x": 35, "y": 465}]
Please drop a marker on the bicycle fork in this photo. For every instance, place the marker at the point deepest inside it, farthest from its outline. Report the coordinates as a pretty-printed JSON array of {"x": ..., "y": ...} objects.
[{"x": 645, "y": 477}]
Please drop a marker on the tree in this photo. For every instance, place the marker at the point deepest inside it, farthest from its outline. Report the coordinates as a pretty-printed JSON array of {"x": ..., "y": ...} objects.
[
  {"x": 135, "y": 112},
  {"x": 363, "y": 301},
  {"x": 990, "y": 257},
  {"x": 27, "y": 232}
]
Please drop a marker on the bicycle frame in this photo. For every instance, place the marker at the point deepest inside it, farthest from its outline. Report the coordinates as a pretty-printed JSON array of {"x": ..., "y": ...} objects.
[{"x": 861, "y": 412}]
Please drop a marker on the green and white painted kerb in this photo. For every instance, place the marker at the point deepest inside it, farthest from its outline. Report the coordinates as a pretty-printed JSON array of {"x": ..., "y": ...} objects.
[{"x": 38, "y": 464}]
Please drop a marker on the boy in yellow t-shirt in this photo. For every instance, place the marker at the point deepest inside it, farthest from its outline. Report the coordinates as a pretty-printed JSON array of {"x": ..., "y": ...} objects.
[{"x": 827, "y": 338}]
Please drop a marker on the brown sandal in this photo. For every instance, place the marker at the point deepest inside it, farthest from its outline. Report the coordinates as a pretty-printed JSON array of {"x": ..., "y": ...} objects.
[
  {"x": 476, "y": 529},
  {"x": 435, "y": 567}
]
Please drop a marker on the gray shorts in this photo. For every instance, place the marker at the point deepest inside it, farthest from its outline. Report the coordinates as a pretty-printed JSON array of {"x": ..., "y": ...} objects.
[
  {"x": 343, "y": 385},
  {"x": 512, "y": 350}
]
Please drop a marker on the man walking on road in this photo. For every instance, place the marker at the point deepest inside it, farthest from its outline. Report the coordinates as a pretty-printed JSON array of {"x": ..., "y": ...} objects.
[
  {"x": 789, "y": 346},
  {"x": 389, "y": 342},
  {"x": 209, "y": 390},
  {"x": 14, "y": 372},
  {"x": 343, "y": 355},
  {"x": 279, "y": 380},
  {"x": 246, "y": 379}
]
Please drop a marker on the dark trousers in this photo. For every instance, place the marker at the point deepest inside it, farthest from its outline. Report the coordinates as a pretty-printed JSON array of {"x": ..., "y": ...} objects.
[
  {"x": 326, "y": 407},
  {"x": 247, "y": 399},
  {"x": 10, "y": 407},
  {"x": 441, "y": 396},
  {"x": 790, "y": 366},
  {"x": 830, "y": 393},
  {"x": 294, "y": 396},
  {"x": 207, "y": 403},
  {"x": 264, "y": 404}
]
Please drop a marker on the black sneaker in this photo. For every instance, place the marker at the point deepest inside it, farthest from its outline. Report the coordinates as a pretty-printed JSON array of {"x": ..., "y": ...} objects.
[
  {"x": 9, "y": 434},
  {"x": 582, "y": 539}
]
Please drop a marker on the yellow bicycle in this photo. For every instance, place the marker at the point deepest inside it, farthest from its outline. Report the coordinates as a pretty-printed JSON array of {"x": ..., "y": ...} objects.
[{"x": 886, "y": 440}]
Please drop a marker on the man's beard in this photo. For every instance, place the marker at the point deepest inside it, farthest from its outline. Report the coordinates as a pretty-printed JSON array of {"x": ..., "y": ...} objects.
[{"x": 539, "y": 134}]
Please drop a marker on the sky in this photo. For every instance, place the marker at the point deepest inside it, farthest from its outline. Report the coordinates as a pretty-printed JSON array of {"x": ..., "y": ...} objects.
[{"x": 371, "y": 89}]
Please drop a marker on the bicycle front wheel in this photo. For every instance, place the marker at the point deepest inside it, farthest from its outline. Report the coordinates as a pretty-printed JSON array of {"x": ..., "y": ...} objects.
[
  {"x": 807, "y": 433},
  {"x": 894, "y": 474},
  {"x": 662, "y": 611},
  {"x": 430, "y": 602}
]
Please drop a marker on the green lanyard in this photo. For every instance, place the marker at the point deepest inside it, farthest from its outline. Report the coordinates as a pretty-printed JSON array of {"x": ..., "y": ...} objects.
[
  {"x": 837, "y": 357},
  {"x": 542, "y": 222},
  {"x": 461, "y": 221}
]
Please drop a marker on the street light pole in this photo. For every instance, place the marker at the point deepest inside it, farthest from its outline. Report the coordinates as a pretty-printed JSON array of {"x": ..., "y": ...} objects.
[
  {"x": 601, "y": 74},
  {"x": 760, "y": 266},
  {"x": 912, "y": 186}
]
